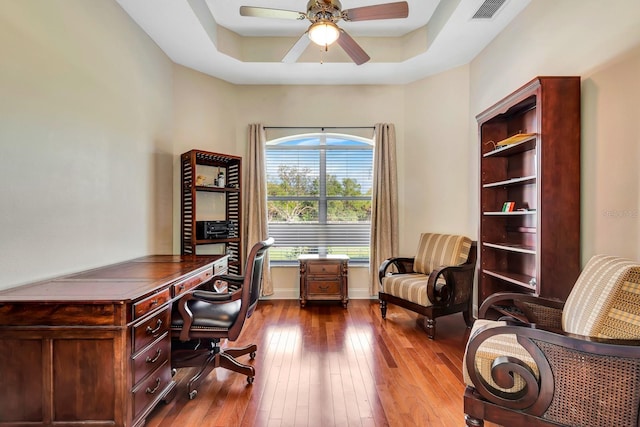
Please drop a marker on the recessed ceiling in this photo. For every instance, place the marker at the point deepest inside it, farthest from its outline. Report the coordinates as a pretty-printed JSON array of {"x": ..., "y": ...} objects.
[{"x": 210, "y": 36}]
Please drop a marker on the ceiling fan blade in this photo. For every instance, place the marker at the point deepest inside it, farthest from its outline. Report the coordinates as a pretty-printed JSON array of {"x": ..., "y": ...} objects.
[
  {"x": 380, "y": 11},
  {"x": 297, "y": 49},
  {"x": 265, "y": 12},
  {"x": 353, "y": 49}
]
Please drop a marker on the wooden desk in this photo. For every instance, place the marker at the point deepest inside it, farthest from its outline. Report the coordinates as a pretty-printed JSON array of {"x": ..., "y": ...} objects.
[{"x": 94, "y": 346}]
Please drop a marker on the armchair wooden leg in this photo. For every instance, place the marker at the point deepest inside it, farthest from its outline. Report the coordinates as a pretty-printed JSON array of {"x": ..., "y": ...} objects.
[
  {"x": 468, "y": 317},
  {"x": 383, "y": 309},
  {"x": 473, "y": 422},
  {"x": 429, "y": 325}
]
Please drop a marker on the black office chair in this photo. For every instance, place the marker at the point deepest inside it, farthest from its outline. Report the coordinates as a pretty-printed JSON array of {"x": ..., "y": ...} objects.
[{"x": 201, "y": 318}]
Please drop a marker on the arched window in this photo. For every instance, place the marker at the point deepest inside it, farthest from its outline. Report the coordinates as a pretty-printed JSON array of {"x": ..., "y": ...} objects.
[{"x": 319, "y": 195}]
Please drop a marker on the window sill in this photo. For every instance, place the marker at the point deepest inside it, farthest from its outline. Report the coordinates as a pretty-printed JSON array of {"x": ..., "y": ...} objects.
[{"x": 291, "y": 264}]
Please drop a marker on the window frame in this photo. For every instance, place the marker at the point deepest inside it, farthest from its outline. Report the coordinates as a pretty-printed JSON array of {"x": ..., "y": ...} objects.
[{"x": 323, "y": 200}]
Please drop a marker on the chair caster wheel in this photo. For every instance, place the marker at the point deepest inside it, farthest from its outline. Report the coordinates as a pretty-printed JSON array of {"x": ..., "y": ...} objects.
[
  {"x": 249, "y": 380},
  {"x": 252, "y": 355},
  {"x": 193, "y": 394}
]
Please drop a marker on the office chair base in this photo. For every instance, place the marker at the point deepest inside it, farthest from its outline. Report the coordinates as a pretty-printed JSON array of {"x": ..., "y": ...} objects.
[{"x": 214, "y": 357}]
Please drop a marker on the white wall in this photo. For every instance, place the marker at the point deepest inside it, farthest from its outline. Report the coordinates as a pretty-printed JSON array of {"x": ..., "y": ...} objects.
[
  {"x": 85, "y": 139},
  {"x": 598, "y": 41}
]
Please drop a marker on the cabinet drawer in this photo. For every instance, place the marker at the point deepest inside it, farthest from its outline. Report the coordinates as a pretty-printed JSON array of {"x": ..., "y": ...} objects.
[
  {"x": 220, "y": 267},
  {"x": 320, "y": 287},
  {"x": 148, "y": 391},
  {"x": 191, "y": 283},
  {"x": 329, "y": 269},
  {"x": 150, "y": 330},
  {"x": 150, "y": 303},
  {"x": 151, "y": 357}
]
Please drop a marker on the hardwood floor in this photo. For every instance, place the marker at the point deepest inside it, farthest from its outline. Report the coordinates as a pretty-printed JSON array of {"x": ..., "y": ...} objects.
[{"x": 328, "y": 366}]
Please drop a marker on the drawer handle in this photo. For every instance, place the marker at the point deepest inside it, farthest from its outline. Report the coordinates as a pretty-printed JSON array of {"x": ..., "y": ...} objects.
[
  {"x": 181, "y": 288},
  {"x": 149, "y": 390},
  {"x": 324, "y": 288},
  {"x": 155, "y": 359},
  {"x": 157, "y": 328},
  {"x": 153, "y": 302}
]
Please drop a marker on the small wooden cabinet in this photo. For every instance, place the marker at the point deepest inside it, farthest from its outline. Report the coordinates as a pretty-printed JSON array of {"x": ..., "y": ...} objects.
[{"x": 324, "y": 278}]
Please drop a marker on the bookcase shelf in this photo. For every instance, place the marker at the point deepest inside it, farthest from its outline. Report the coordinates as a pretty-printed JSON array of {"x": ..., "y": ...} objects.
[
  {"x": 511, "y": 247},
  {"x": 211, "y": 202},
  {"x": 531, "y": 179},
  {"x": 524, "y": 138},
  {"x": 512, "y": 149},
  {"x": 514, "y": 213}
]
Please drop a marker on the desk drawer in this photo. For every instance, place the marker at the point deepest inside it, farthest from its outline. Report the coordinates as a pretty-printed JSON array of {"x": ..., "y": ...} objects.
[
  {"x": 191, "y": 283},
  {"x": 151, "y": 329},
  {"x": 151, "y": 388},
  {"x": 151, "y": 357},
  {"x": 148, "y": 304},
  {"x": 322, "y": 287},
  {"x": 221, "y": 267}
]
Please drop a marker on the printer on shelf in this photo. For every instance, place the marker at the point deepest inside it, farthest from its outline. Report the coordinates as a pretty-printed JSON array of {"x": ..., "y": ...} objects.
[{"x": 215, "y": 229}]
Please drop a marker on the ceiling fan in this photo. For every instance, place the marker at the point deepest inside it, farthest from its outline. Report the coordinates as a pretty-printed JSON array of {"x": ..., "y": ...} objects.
[{"x": 323, "y": 30}]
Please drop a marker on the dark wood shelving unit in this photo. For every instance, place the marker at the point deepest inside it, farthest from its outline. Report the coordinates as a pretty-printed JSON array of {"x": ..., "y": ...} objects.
[
  {"x": 536, "y": 247},
  {"x": 197, "y": 197}
]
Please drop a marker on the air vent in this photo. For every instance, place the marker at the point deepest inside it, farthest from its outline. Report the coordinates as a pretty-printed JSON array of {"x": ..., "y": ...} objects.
[{"x": 488, "y": 9}]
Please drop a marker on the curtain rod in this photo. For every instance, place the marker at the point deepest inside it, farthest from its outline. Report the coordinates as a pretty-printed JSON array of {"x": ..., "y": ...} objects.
[{"x": 319, "y": 127}]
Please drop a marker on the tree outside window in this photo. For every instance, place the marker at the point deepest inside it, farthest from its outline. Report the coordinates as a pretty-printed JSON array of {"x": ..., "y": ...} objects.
[{"x": 319, "y": 195}]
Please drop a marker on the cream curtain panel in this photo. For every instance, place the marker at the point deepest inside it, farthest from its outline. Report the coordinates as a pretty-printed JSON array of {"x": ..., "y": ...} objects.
[
  {"x": 384, "y": 204},
  {"x": 255, "y": 218}
]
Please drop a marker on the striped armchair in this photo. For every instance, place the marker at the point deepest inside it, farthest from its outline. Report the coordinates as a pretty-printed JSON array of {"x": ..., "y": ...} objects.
[
  {"x": 436, "y": 282},
  {"x": 575, "y": 363}
]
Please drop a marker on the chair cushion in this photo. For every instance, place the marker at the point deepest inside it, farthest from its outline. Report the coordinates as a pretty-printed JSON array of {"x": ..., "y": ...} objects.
[
  {"x": 411, "y": 287},
  {"x": 208, "y": 316},
  {"x": 605, "y": 301},
  {"x": 436, "y": 250},
  {"x": 490, "y": 349}
]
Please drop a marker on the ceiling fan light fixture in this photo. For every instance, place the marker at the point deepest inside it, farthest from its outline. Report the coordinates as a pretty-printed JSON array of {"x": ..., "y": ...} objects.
[{"x": 324, "y": 33}]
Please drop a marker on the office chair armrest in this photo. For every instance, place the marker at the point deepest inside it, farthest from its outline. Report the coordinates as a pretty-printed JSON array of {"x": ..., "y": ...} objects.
[{"x": 234, "y": 281}]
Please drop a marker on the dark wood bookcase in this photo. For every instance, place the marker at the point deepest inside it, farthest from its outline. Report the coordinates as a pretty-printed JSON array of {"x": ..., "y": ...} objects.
[
  {"x": 530, "y": 155},
  {"x": 203, "y": 198}
]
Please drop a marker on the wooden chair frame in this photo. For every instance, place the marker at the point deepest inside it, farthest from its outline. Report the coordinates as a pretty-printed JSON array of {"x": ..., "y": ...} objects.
[{"x": 453, "y": 297}]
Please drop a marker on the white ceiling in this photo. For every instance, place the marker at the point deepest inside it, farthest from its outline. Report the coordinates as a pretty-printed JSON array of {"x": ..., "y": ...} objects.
[{"x": 210, "y": 36}]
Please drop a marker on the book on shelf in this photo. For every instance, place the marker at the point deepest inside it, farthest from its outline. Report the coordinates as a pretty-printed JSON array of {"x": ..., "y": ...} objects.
[
  {"x": 508, "y": 206},
  {"x": 514, "y": 139}
]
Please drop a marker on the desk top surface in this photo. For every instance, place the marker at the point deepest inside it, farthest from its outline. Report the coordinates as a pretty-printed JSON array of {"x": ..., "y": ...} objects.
[{"x": 116, "y": 282}]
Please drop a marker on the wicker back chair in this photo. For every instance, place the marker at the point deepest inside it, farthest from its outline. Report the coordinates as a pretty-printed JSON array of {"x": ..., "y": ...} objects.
[
  {"x": 436, "y": 282},
  {"x": 560, "y": 364}
]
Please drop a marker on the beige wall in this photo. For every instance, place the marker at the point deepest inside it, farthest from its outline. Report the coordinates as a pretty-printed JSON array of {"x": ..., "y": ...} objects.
[
  {"x": 319, "y": 106},
  {"x": 598, "y": 41},
  {"x": 204, "y": 117},
  {"x": 94, "y": 116},
  {"x": 85, "y": 139}
]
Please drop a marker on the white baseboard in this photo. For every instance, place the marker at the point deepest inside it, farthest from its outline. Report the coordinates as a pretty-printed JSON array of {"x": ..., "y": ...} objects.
[{"x": 295, "y": 294}]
